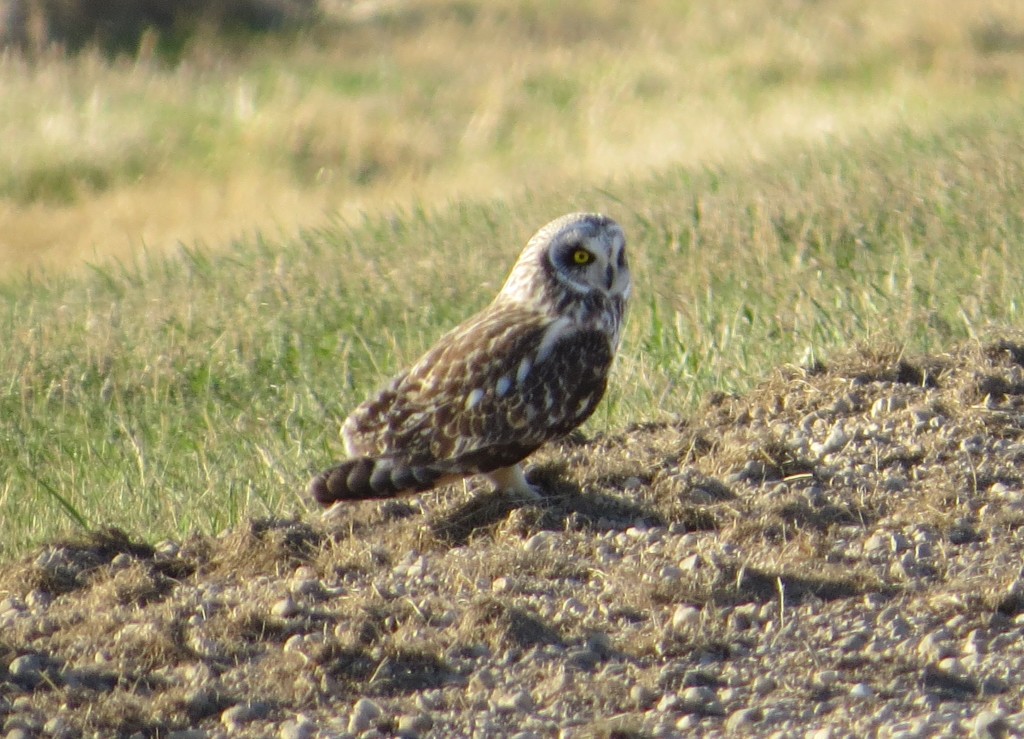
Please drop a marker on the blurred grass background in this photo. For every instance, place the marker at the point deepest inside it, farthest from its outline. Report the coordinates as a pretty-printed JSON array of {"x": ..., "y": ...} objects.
[
  {"x": 212, "y": 136},
  {"x": 213, "y": 250}
]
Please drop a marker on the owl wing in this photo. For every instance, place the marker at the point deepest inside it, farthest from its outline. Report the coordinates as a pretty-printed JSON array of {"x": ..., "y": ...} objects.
[{"x": 488, "y": 394}]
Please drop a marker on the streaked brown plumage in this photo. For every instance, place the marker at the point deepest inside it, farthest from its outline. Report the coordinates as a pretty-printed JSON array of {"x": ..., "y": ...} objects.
[{"x": 529, "y": 368}]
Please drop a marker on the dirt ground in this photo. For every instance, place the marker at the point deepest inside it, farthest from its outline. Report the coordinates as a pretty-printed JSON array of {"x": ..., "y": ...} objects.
[{"x": 837, "y": 553}]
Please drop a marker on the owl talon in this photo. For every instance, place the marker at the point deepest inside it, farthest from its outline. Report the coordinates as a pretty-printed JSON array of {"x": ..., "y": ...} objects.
[
  {"x": 512, "y": 482},
  {"x": 528, "y": 494}
]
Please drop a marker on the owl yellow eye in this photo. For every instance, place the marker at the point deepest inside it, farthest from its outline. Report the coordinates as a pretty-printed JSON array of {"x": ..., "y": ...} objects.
[{"x": 582, "y": 256}]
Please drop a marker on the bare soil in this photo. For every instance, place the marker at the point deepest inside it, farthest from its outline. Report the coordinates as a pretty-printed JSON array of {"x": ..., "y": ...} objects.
[{"x": 839, "y": 550}]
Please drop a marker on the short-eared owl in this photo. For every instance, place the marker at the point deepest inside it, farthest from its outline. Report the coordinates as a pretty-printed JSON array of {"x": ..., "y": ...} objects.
[{"x": 530, "y": 367}]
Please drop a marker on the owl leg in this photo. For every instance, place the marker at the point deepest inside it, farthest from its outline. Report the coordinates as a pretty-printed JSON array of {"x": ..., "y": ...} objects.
[{"x": 512, "y": 480}]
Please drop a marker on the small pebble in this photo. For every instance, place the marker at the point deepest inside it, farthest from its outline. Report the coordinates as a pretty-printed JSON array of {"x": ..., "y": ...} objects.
[
  {"x": 307, "y": 586},
  {"x": 298, "y": 728},
  {"x": 884, "y": 406},
  {"x": 687, "y": 723},
  {"x": 862, "y": 691},
  {"x": 58, "y": 728},
  {"x": 415, "y": 724},
  {"x": 642, "y": 696},
  {"x": 121, "y": 560},
  {"x": 11, "y": 604},
  {"x": 364, "y": 713},
  {"x": 685, "y": 617},
  {"x": 743, "y": 719},
  {"x": 482, "y": 682},
  {"x": 669, "y": 703},
  {"x": 701, "y": 699},
  {"x": 837, "y": 439},
  {"x": 825, "y": 678},
  {"x": 542, "y": 541},
  {"x": 670, "y": 574},
  {"x": 235, "y": 717},
  {"x": 38, "y": 599},
  {"x": 518, "y": 701},
  {"x": 167, "y": 548},
  {"x": 935, "y": 646},
  {"x": 991, "y": 725},
  {"x": 898, "y": 542},
  {"x": 284, "y": 608},
  {"x": 975, "y": 643},
  {"x": 582, "y": 658},
  {"x": 295, "y": 644},
  {"x": 430, "y": 700},
  {"x": 26, "y": 670},
  {"x": 854, "y": 642},
  {"x": 572, "y": 607},
  {"x": 691, "y": 563},
  {"x": 952, "y": 665}
]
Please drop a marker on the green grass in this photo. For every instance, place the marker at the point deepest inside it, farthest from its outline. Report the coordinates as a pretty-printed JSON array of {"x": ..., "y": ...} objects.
[
  {"x": 794, "y": 180},
  {"x": 175, "y": 394}
]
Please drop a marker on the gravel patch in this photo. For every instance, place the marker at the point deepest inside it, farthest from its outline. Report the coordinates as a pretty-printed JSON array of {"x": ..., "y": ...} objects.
[{"x": 839, "y": 552}]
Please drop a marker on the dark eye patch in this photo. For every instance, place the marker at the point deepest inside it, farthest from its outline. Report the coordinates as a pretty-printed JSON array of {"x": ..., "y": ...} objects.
[{"x": 568, "y": 251}]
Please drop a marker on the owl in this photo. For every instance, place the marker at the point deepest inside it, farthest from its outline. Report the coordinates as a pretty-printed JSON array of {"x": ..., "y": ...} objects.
[{"x": 528, "y": 368}]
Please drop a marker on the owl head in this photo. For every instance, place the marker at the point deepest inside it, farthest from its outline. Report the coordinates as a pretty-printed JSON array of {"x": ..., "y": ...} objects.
[{"x": 578, "y": 257}]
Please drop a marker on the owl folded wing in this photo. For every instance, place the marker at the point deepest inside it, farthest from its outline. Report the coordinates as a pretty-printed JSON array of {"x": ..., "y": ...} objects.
[{"x": 487, "y": 395}]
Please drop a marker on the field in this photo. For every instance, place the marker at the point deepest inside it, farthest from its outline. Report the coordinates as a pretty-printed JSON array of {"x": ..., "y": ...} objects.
[
  {"x": 430, "y": 103},
  {"x": 208, "y": 263},
  {"x": 797, "y": 191}
]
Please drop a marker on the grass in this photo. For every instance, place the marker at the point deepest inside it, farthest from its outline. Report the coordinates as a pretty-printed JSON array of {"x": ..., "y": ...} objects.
[
  {"x": 857, "y": 184},
  {"x": 180, "y": 394}
]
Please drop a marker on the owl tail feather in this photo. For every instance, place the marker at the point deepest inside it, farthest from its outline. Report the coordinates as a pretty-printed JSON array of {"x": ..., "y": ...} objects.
[{"x": 364, "y": 478}]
